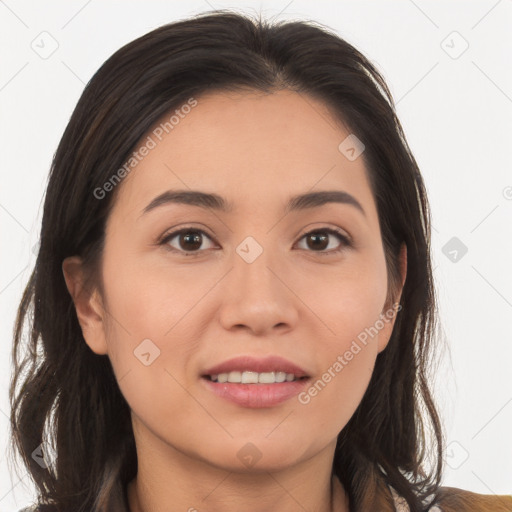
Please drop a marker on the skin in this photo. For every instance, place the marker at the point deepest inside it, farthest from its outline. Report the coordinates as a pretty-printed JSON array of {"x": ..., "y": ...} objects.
[{"x": 255, "y": 150}]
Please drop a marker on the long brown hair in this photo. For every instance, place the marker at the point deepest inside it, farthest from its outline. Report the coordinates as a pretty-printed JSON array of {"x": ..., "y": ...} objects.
[{"x": 66, "y": 397}]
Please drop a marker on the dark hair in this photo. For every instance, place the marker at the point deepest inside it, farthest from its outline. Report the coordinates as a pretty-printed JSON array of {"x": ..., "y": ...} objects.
[{"x": 65, "y": 396}]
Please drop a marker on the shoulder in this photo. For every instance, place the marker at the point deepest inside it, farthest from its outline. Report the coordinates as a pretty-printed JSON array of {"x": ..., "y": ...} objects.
[{"x": 453, "y": 499}]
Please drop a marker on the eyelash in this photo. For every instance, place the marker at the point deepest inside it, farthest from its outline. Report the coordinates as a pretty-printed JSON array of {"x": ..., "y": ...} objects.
[{"x": 346, "y": 243}]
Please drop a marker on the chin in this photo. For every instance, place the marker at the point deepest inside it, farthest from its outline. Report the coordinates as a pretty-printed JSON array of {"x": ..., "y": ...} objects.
[{"x": 251, "y": 455}]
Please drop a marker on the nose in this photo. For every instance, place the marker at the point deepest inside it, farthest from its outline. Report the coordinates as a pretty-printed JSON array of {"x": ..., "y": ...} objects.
[{"x": 258, "y": 296}]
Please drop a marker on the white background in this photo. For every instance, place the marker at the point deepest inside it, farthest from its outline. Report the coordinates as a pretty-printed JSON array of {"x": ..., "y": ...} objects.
[{"x": 456, "y": 113}]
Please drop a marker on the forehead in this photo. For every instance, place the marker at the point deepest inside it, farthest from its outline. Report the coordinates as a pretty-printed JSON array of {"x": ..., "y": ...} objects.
[{"x": 246, "y": 146}]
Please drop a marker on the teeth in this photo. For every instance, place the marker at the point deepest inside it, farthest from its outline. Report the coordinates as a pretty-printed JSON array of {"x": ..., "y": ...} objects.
[
  {"x": 253, "y": 377},
  {"x": 280, "y": 376},
  {"x": 249, "y": 378}
]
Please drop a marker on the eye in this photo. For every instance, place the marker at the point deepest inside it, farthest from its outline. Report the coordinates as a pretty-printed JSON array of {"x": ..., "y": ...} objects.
[
  {"x": 319, "y": 237},
  {"x": 190, "y": 240}
]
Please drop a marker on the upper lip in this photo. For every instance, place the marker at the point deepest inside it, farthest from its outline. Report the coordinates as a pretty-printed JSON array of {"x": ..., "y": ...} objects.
[{"x": 257, "y": 364}]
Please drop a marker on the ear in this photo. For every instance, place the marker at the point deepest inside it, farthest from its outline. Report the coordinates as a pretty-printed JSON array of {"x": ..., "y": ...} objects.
[
  {"x": 88, "y": 305},
  {"x": 389, "y": 314}
]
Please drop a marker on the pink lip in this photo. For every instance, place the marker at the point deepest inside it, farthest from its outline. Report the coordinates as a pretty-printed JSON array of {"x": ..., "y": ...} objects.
[
  {"x": 260, "y": 365},
  {"x": 256, "y": 395}
]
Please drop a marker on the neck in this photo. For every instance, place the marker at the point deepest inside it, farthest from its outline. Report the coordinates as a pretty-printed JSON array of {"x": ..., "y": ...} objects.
[
  {"x": 141, "y": 499},
  {"x": 169, "y": 480}
]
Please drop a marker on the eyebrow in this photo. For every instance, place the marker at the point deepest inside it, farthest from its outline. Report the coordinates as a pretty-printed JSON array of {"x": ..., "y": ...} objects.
[{"x": 216, "y": 202}]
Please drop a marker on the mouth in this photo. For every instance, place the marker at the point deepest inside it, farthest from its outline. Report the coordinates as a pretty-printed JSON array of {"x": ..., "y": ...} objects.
[{"x": 255, "y": 382}]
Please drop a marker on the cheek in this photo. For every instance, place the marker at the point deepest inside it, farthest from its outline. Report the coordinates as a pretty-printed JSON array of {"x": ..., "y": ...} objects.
[
  {"x": 346, "y": 360},
  {"x": 348, "y": 297},
  {"x": 145, "y": 298},
  {"x": 349, "y": 308},
  {"x": 153, "y": 329},
  {"x": 333, "y": 397}
]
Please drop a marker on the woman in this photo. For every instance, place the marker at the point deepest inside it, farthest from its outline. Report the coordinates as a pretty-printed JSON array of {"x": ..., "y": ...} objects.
[{"x": 233, "y": 296}]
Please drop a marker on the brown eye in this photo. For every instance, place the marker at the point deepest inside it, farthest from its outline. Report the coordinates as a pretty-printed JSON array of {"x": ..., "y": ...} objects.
[
  {"x": 188, "y": 240},
  {"x": 319, "y": 240}
]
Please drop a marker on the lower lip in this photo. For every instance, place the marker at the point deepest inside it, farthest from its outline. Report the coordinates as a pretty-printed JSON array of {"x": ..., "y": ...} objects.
[{"x": 256, "y": 396}]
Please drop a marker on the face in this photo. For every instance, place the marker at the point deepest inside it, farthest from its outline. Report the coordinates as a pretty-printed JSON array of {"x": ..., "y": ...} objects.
[{"x": 257, "y": 280}]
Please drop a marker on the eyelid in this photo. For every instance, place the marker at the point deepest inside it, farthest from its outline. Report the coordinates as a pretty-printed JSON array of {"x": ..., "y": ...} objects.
[{"x": 333, "y": 229}]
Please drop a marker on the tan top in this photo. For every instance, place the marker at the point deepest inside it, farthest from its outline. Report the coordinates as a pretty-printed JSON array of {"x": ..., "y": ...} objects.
[
  {"x": 401, "y": 504},
  {"x": 451, "y": 498}
]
